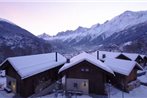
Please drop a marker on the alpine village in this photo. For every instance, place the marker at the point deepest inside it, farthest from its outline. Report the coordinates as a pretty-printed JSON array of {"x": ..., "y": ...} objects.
[{"x": 79, "y": 63}]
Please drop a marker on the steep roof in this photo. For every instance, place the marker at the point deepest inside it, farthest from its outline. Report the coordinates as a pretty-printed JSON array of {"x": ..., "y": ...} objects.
[
  {"x": 143, "y": 56},
  {"x": 132, "y": 56},
  {"x": 121, "y": 66},
  {"x": 27, "y": 66},
  {"x": 85, "y": 56}
]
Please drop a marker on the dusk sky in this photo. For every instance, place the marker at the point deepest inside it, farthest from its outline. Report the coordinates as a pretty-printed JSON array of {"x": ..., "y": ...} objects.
[{"x": 53, "y": 16}]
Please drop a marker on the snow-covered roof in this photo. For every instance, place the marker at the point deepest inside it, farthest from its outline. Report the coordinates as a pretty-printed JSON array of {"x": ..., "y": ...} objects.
[
  {"x": 121, "y": 66},
  {"x": 132, "y": 56},
  {"x": 85, "y": 56},
  {"x": 106, "y": 53},
  {"x": 27, "y": 66},
  {"x": 142, "y": 56}
]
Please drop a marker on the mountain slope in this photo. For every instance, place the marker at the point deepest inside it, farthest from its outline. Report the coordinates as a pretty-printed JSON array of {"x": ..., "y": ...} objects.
[
  {"x": 15, "y": 41},
  {"x": 132, "y": 39}
]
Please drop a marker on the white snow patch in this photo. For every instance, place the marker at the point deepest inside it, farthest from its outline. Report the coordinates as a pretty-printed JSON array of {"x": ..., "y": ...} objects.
[{"x": 127, "y": 43}]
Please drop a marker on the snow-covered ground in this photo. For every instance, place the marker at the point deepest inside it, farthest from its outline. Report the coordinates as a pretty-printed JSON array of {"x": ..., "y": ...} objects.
[
  {"x": 140, "y": 92},
  {"x": 143, "y": 78},
  {"x": 4, "y": 94},
  {"x": 2, "y": 83},
  {"x": 60, "y": 96}
]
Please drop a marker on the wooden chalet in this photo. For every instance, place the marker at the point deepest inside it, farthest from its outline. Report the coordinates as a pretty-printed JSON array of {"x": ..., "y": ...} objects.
[
  {"x": 26, "y": 75},
  {"x": 85, "y": 74},
  {"x": 125, "y": 73},
  {"x": 124, "y": 65}
]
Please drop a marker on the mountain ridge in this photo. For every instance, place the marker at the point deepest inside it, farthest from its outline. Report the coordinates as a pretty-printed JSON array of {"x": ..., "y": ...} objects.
[{"x": 100, "y": 34}]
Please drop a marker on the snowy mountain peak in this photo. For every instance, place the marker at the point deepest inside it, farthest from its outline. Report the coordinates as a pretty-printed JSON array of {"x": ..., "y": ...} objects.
[
  {"x": 81, "y": 29},
  {"x": 128, "y": 12},
  {"x": 95, "y": 26},
  {"x": 133, "y": 14},
  {"x": 44, "y": 36}
]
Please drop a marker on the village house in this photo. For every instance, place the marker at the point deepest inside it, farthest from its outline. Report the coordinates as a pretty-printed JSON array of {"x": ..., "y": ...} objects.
[
  {"x": 86, "y": 74},
  {"x": 131, "y": 57},
  {"x": 102, "y": 55},
  {"x": 144, "y": 57},
  {"x": 124, "y": 65},
  {"x": 26, "y": 75},
  {"x": 125, "y": 73}
]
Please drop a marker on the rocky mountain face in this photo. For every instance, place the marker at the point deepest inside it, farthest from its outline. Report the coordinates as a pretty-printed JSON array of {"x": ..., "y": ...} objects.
[
  {"x": 125, "y": 32},
  {"x": 16, "y": 41}
]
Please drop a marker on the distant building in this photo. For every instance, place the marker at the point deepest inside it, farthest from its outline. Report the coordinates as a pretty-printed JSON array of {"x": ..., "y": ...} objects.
[
  {"x": 124, "y": 65},
  {"x": 102, "y": 55},
  {"x": 144, "y": 57},
  {"x": 131, "y": 57},
  {"x": 125, "y": 73},
  {"x": 85, "y": 74},
  {"x": 30, "y": 74}
]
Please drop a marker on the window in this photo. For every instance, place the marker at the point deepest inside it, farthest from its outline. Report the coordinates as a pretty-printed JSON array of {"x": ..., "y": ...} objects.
[
  {"x": 9, "y": 83},
  {"x": 104, "y": 56},
  {"x": 87, "y": 70},
  {"x": 84, "y": 83},
  {"x": 75, "y": 85},
  {"x": 82, "y": 70}
]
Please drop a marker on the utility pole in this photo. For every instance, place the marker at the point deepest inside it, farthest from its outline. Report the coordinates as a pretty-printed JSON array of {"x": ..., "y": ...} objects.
[{"x": 123, "y": 88}]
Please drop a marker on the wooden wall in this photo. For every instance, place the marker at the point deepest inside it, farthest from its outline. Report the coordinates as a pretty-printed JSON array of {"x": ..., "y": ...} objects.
[
  {"x": 27, "y": 86},
  {"x": 95, "y": 75}
]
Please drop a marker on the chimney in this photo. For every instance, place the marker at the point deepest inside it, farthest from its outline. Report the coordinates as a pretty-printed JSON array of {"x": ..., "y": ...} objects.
[
  {"x": 68, "y": 61},
  {"x": 98, "y": 55},
  {"x": 56, "y": 56}
]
